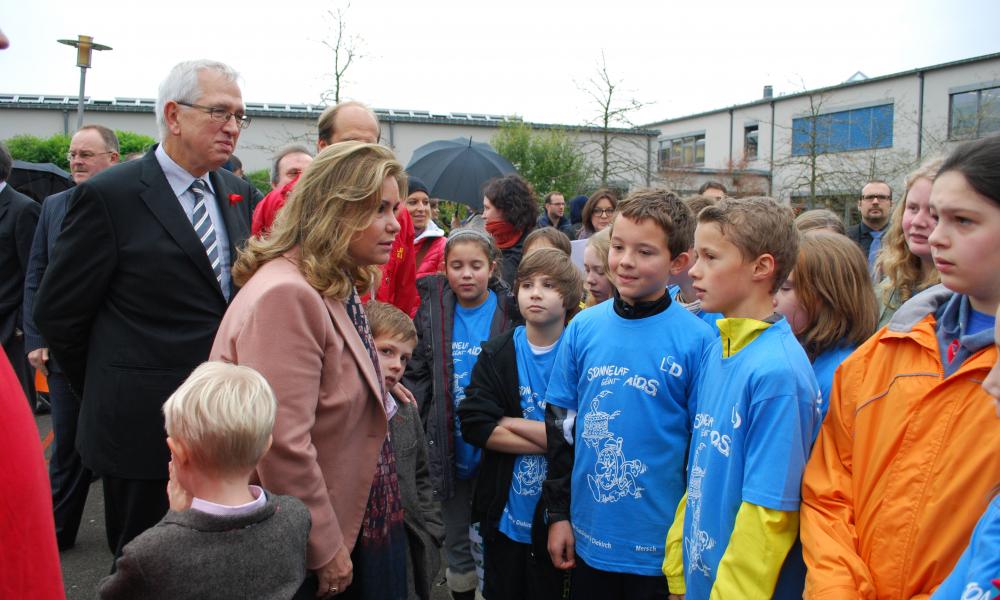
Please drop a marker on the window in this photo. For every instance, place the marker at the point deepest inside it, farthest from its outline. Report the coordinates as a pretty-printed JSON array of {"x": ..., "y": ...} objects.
[
  {"x": 750, "y": 142},
  {"x": 857, "y": 129},
  {"x": 687, "y": 151},
  {"x": 974, "y": 114}
]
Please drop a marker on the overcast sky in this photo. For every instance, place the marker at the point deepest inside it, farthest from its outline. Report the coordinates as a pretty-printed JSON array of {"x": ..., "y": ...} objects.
[{"x": 528, "y": 58}]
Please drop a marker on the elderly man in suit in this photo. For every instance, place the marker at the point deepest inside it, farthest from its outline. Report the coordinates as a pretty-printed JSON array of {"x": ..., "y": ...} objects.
[
  {"x": 138, "y": 282},
  {"x": 92, "y": 149},
  {"x": 18, "y": 219}
]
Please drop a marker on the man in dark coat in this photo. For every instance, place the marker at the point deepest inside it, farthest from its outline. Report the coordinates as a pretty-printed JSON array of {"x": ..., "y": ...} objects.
[
  {"x": 93, "y": 149},
  {"x": 138, "y": 282},
  {"x": 18, "y": 219}
]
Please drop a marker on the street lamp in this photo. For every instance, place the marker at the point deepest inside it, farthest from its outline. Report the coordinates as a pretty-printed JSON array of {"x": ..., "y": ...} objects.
[{"x": 84, "y": 45}]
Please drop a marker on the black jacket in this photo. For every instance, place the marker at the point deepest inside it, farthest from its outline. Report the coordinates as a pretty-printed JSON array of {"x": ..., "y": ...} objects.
[
  {"x": 129, "y": 306},
  {"x": 18, "y": 220},
  {"x": 491, "y": 395},
  {"x": 862, "y": 236},
  {"x": 429, "y": 372}
]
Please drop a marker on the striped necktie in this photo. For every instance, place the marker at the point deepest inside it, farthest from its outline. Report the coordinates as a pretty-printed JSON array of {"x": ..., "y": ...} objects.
[{"x": 204, "y": 228}]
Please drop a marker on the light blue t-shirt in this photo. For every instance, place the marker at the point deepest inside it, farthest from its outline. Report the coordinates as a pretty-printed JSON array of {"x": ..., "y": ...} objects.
[
  {"x": 631, "y": 382},
  {"x": 824, "y": 367},
  {"x": 470, "y": 329},
  {"x": 979, "y": 565},
  {"x": 758, "y": 415},
  {"x": 533, "y": 369}
]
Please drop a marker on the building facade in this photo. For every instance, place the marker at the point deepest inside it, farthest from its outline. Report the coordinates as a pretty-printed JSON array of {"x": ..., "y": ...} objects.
[
  {"x": 817, "y": 148},
  {"x": 277, "y": 125}
]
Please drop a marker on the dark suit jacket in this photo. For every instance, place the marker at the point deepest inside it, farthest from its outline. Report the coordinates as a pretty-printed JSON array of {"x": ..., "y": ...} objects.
[
  {"x": 49, "y": 226},
  {"x": 129, "y": 306},
  {"x": 862, "y": 236},
  {"x": 18, "y": 218}
]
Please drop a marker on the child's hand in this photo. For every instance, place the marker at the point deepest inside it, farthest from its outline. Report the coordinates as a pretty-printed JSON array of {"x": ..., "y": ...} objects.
[
  {"x": 180, "y": 498},
  {"x": 402, "y": 394},
  {"x": 562, "y": 545}
]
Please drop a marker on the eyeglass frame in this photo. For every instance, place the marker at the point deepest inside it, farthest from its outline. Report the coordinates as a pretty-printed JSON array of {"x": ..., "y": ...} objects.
[
  {"x": 604, "y": 212},
  {"x": 86, "y": 154},
  {"x": 214, "y": 112},
  {"x": 874, "y": 197}
]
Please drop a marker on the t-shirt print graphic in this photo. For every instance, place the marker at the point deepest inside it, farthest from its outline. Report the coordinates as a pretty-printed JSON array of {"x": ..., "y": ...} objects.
[{"x": 614, "y": 476}]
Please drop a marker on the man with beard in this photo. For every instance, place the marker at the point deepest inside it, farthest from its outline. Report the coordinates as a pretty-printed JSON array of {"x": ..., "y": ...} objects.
[{"x": 875, "y": 206}]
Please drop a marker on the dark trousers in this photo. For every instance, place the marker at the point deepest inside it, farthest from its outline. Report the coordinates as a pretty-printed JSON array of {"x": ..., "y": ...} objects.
[
  {"x": 18, "y": 359},
  {"x": 593, "y": 584},
  {"x": 132, "y": 506},
  {"x": 70, "y": 479},
  {"x": 513, "y": 572}
]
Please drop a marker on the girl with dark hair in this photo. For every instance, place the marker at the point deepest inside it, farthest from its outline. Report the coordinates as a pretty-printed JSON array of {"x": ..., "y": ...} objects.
[{"x": 510, "y": 208}]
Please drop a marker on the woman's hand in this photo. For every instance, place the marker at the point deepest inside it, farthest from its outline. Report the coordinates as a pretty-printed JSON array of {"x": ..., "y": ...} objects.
[{"x": 336, "y": 575}]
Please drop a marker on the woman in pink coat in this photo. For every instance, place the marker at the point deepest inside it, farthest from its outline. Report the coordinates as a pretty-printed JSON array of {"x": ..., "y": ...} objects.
[{"x": 298, "y": 320}]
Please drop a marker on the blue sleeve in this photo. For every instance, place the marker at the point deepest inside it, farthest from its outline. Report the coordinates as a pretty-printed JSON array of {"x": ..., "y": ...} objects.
[
  {"x": 565, "y": 378},
  {"x": 38, "y": 259},
  {"x": 954, "y": 584},
  {"x": 979, "y": 565},
  {"x": 777, "y": 447}
]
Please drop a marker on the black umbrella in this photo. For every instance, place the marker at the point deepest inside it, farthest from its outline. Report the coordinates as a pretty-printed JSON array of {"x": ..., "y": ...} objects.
[
  {"x": 457, "y": 169},
  {"x": 38, "y": 180}
]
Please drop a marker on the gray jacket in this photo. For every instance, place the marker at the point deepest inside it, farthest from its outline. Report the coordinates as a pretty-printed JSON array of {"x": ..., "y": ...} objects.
[
  {"x": 192, "y": 554},
  {"x": 421, "y": 513}
]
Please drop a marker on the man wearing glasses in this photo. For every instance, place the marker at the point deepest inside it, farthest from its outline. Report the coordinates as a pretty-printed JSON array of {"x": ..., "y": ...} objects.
[
  {"x": 93, "y": 149},
  {"x": 138, "y": 282},
  {"x": 875, "y": 206}
]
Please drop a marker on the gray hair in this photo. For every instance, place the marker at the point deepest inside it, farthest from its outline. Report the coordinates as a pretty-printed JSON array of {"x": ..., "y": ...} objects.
[
  {"x": 290, "y": 149},
  {"x": 182, "y": 85}
]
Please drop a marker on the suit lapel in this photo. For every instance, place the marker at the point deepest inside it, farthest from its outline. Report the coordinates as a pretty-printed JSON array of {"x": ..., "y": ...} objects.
[
  {"x": 343, "y": 323},
  {"x": 236, "y": 228},
  {"x": 165, "y": 206},
  {"x": 5, "y": 197}
]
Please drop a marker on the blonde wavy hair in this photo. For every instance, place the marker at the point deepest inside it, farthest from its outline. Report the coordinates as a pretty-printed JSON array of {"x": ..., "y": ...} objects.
[
  {"x": 336, "y": 198},
  {"x": 901, "y": 268}
]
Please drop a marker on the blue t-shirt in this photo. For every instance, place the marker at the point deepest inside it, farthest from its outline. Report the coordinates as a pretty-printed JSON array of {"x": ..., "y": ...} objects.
[
  {"x": 529, "y": 469},
  {"x": 631, "y": 382},
  {"x": 979, "y": 322},
  {"x": 824, "y": 366},
  {"x": 470, "y": 329},
  {"x": 758, "y": 415},
  {"x": 979, "y": 565}
]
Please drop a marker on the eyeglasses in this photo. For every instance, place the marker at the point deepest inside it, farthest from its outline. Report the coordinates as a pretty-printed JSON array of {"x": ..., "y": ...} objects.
[
  {"x": 874, "y": 197},
  {"x": 84, "y": 154},
  {"x": 604, "y": 212},
  {"x": 220, "y": 114}
]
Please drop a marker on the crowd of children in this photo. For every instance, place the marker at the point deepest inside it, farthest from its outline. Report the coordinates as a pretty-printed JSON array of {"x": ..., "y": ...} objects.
[{"x": 721, "y": 420}]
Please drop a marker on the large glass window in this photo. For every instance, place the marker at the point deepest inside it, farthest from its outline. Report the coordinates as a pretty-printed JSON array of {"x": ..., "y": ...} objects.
[
  {"x": 687, "y": 151},
  {"x": 857, "y": 129},
  {"x": 974, "y": 114}
]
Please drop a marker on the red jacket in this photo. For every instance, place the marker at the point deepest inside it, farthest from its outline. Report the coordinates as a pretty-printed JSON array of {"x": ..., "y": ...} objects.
[
  {"x": 399, "y": 276},
  {"x": 433, "y": 260},
  {"x": 29, "y": 558}
]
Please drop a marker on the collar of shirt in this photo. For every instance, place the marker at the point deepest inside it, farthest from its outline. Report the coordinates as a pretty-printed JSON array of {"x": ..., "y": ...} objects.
[
  {"x": 260, "y": 499},
  {"x": 178, "y": 178},
  {"x": 3, "y": 184}
]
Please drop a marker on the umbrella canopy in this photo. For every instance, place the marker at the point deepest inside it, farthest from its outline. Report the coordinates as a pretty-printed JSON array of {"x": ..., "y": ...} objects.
[
  {"x": 457, "y": 169},
  {"x": 38, "y": 180}
]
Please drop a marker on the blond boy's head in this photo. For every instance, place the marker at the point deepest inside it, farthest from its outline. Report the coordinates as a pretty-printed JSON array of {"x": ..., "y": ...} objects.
[
  {"x": 757, "y": 226},
  {"x": 223, "y": 415},
  {"x": 667, "y": 211},
  {"x": 395, "y": 338}
]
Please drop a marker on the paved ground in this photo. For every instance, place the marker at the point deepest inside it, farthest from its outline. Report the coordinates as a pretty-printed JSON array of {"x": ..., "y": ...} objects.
[{"x": 85, "y": 564}]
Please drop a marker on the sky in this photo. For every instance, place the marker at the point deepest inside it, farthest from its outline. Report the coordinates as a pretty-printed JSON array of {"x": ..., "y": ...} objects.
[{"x": 534, "y": 59}]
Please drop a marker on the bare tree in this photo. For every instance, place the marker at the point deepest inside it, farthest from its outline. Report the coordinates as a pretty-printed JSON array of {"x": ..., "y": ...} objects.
[
  {"x": 617, "y": 154},
  {"x": 345, "y": 47}
]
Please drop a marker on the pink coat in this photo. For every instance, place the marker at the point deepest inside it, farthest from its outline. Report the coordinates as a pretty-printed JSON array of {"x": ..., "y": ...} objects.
[{"x": 331, "y": 423}]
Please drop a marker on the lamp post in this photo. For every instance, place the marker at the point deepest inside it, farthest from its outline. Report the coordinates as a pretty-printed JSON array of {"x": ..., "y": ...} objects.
[{"x": 85, "y": 46}]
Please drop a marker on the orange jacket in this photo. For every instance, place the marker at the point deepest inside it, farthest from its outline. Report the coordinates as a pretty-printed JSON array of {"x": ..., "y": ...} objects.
[{"x": 905, "y": 464}]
